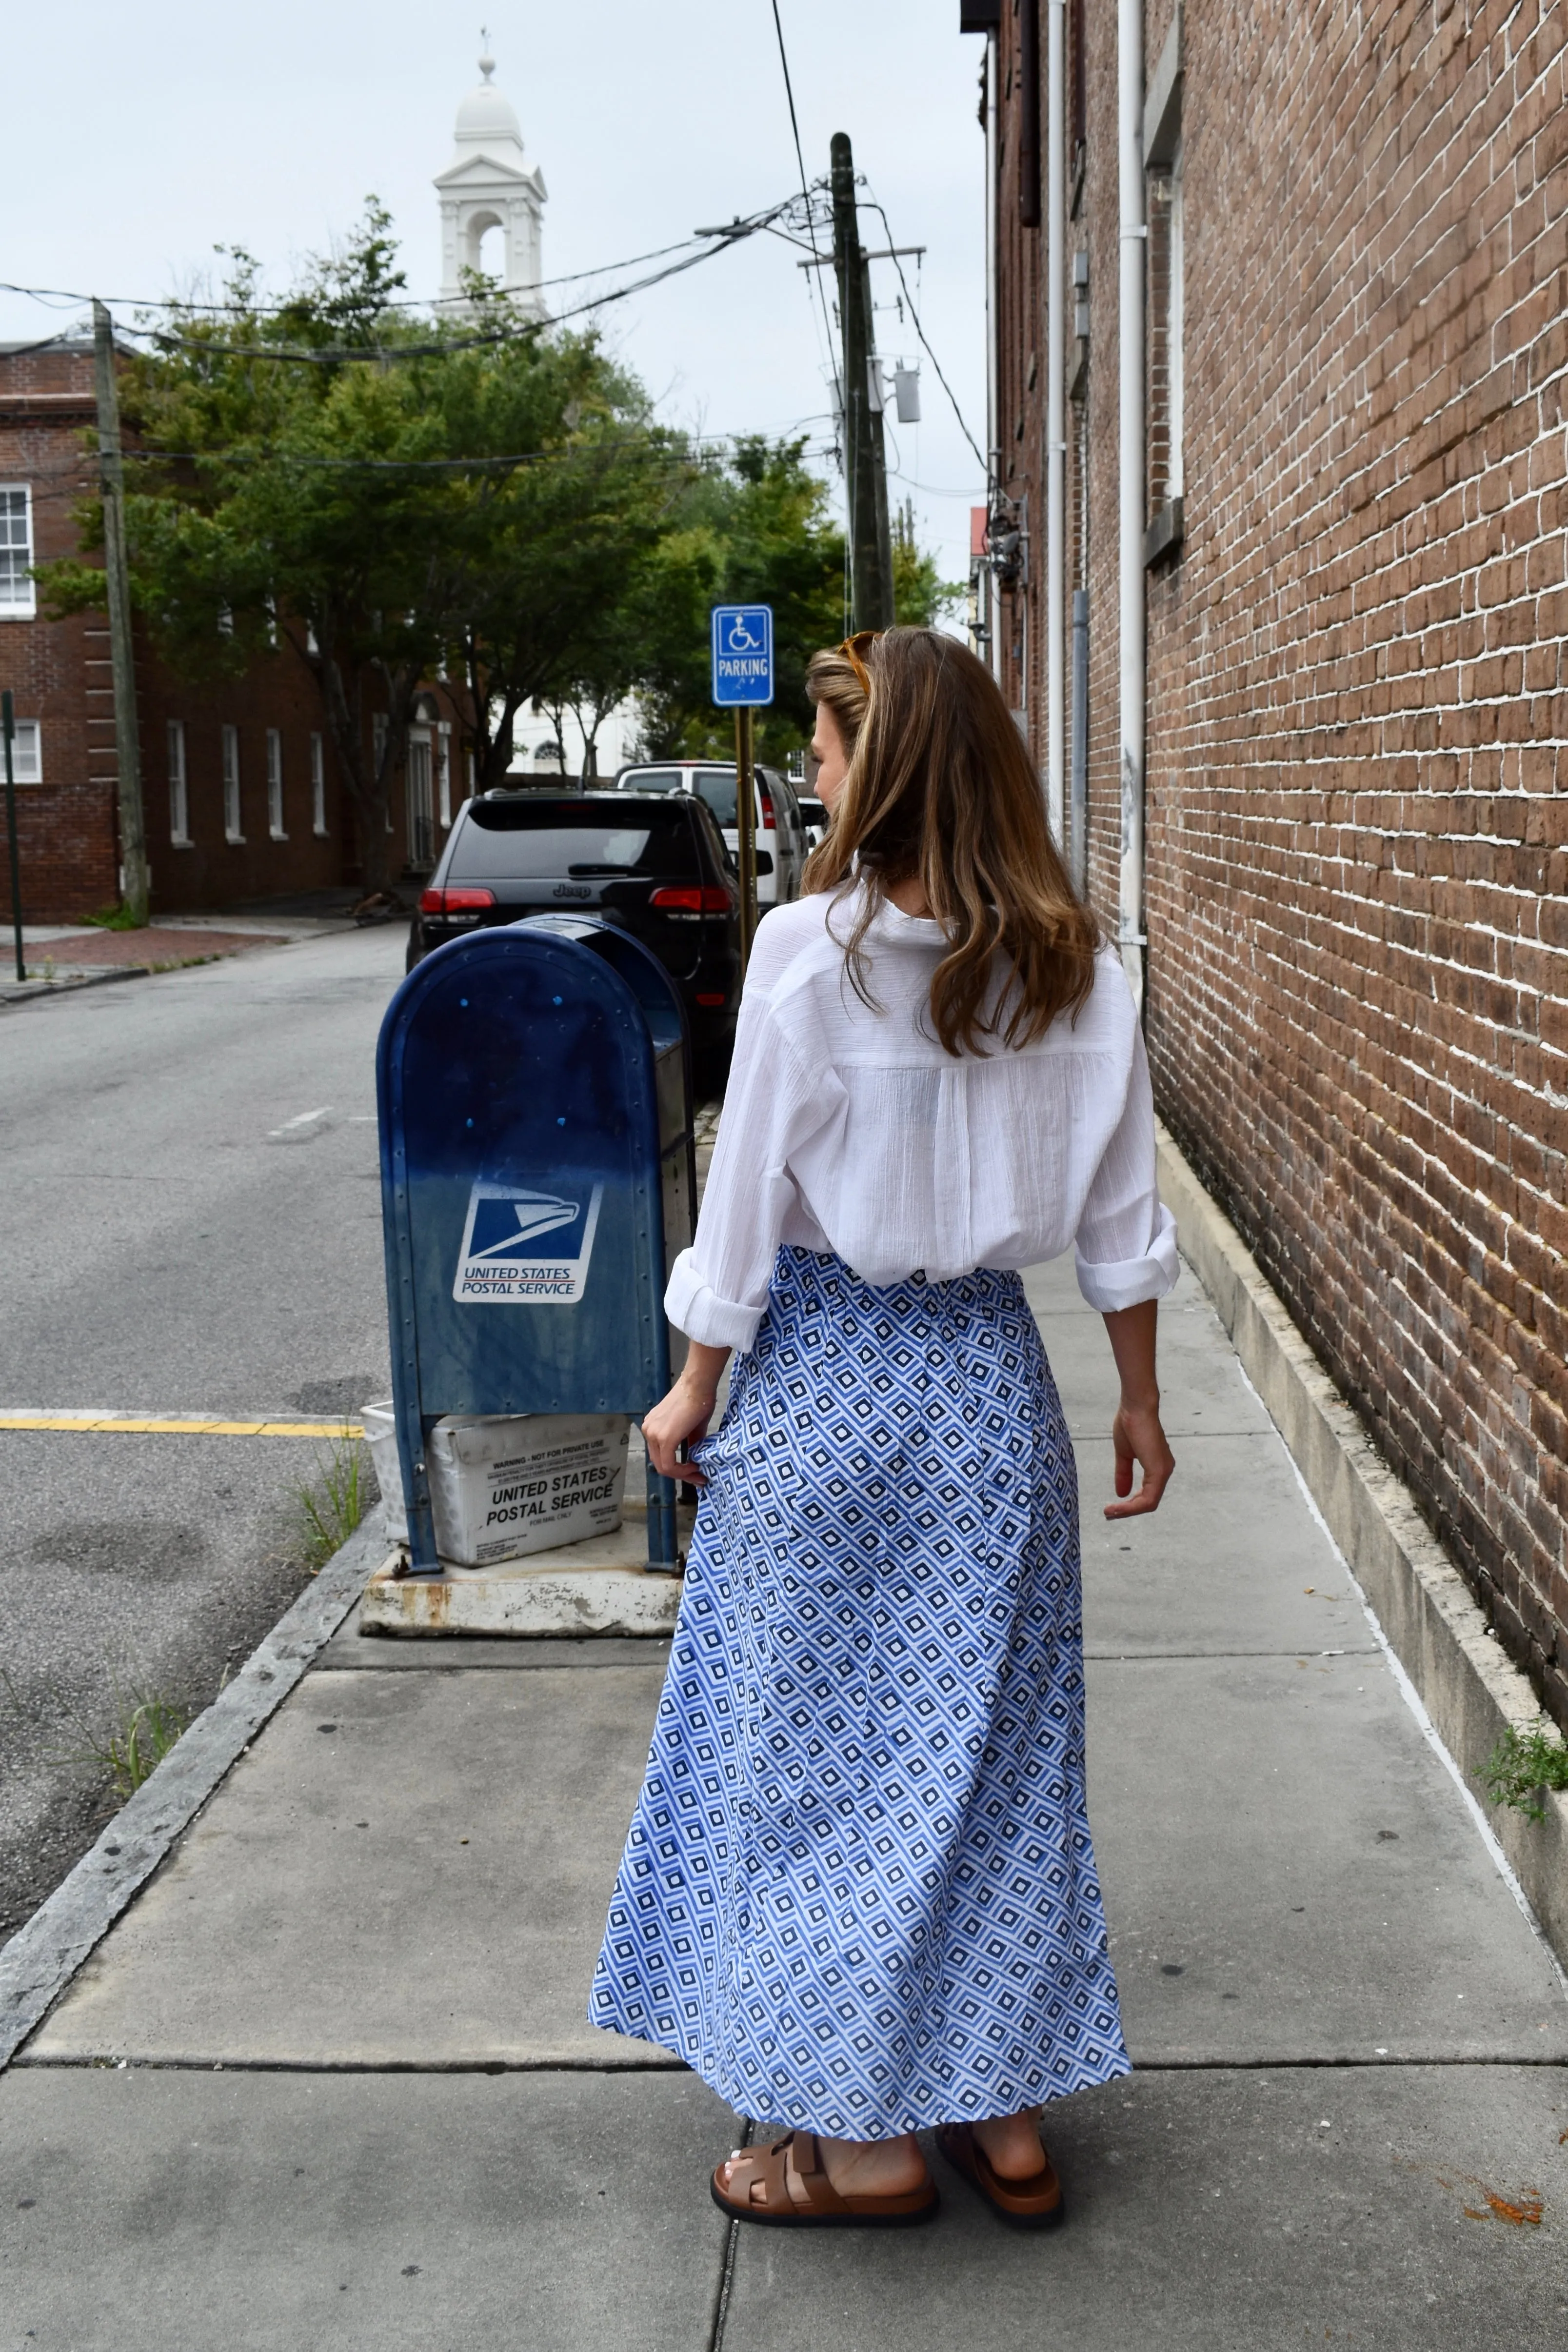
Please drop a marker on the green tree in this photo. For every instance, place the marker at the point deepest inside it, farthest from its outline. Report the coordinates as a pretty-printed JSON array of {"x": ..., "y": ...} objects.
[
  {"x": 339, "y": 484},
  {"x": 554, "y": 551},
  {"x": 921, "y": 597},
  {"x": 758, "y": 527}
]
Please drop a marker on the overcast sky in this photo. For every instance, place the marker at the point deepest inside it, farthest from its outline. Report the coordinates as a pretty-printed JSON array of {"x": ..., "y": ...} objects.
[{"x": 150, "y": 135}]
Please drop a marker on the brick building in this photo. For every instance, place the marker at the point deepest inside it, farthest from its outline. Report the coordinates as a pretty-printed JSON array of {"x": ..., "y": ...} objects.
[
  {"x": 1336, "y": 690},
  {"x": 240, "y": 794}
]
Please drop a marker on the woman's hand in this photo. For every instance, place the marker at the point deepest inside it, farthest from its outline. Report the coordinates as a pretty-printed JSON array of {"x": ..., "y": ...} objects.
[
  {"x": 1135, "y": 1431},
  {"x": 1138, "y": 1438},
  {"x": 683, "y": 1416}
]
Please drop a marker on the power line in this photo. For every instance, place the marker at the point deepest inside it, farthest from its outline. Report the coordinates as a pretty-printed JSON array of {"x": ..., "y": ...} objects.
[
  {"x": 276, "y": 310},
  {"x": 362, "y": 353},
  {"x": 805, "y": 191},
  {"x": 641, "y": 443},
  {"x": 926, "y": 489},
  {"x": 816, "y": 276},
  {"x": 924, "y": 340}
]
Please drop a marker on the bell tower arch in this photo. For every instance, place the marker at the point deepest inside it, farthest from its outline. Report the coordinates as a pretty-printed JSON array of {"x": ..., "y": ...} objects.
[{"x": 488, "y": 185}]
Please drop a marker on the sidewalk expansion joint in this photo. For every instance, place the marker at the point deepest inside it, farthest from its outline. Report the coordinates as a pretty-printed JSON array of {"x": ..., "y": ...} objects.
[
  {"x": 666, "y": 2062},
  {"x": 1164, "y": 1657},
  {"x": 661, "y": 2061},
  {"x": 726, "y": 2268}
]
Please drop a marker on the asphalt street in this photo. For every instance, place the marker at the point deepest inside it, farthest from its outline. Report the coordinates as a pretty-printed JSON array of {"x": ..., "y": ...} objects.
[{"x": 190, "y": 1224}]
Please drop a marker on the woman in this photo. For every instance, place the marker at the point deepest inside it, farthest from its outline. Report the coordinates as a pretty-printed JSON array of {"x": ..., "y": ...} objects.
[{"x": 859, "y": 1893}]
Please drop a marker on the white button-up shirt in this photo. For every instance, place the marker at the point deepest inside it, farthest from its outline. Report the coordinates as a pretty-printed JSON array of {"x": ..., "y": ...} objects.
[{"x": 847, "y": 1128}]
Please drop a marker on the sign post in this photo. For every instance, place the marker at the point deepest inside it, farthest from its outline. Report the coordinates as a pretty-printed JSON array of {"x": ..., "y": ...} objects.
[
  {"x": 8, "y": 728},
  {"x": 742, "y": 680}
]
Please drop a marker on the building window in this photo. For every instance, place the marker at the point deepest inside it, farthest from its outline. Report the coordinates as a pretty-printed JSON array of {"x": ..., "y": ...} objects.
[
  {"x": 378, "y": 753},
  {"x": 1166, "y": 289},
  {"x": 233, "y": 830},
  {"x": 27, "y": 752},
  {"x": 275, "y": 784},
  {"x": 18, "y": 597},
  {"x": 419, "y": 806},
  {"x": 317, "y": 789},
  {"x": 1176, "y": 338},
  {"x": 443, "y": 773},
  {"x": 179, "y": 790}
]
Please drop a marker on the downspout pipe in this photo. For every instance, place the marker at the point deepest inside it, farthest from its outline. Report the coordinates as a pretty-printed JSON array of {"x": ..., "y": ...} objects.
[
  {"x": 993, "y": 451},
  {"x": 1132, "y": 461},
  {"x": 1055, "y": 417}
]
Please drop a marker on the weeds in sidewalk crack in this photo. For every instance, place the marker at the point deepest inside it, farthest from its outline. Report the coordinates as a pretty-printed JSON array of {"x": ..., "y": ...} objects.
[
  {"x": 1522, "y": 1767},
  {"x": 331, "y": 1506},
  {"x": 126, "y": 1740}
]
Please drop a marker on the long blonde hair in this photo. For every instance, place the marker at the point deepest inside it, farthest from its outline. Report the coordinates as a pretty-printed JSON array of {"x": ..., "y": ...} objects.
[
  {"x": 940, "y": 787},
  {"x": 837, "y": 681}
]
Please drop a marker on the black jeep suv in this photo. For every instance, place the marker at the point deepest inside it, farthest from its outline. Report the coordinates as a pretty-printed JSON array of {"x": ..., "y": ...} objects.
[{"x": 654, "y": 863}]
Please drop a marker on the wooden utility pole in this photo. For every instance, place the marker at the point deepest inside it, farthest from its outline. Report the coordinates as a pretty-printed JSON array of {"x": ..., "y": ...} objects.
[
  {"x": 878, "y": 458},
  {"x": 8, "y": 729},
  {"x": 745, "y": 828},
  {"x": 127, "y": 741},
  {"x": 871, "y": 568}
]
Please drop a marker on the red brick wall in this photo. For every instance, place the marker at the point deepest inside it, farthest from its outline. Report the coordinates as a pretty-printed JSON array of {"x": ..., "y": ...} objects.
[
  {"x": 1357, "y": 849},
  {"x": 214, "y": 871},
  {"x": 68, "y": 827}
]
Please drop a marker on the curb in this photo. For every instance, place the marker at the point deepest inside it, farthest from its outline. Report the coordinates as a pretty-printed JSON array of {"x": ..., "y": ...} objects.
[
  {"x": 15, "y": 993},
  {"x": 1436, "y": 1630},
  {"x": 41, "y": 1959}
]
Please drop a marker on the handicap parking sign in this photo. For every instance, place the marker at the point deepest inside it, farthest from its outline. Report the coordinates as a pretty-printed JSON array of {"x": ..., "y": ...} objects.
[
  {"x": 525, "y": 1246},
  {"x": 742, "y": 654}
]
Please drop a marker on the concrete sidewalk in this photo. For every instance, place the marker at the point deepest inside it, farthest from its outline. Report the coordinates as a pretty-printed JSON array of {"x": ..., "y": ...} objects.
[{"x": 328, "y": 2082}]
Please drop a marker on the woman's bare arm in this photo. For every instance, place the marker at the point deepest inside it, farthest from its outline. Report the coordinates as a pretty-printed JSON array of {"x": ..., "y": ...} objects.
[
  {"x": 683, "y": 1416},
  {"x": 1137, "y": 1432}
]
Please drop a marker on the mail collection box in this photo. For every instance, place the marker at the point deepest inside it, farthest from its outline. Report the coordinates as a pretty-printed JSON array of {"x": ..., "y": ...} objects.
[{"x": 537, "y": 1179}]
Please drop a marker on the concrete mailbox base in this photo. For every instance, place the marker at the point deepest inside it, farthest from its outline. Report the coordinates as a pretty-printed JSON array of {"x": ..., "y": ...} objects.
[{"x": 598, "y": 1586}]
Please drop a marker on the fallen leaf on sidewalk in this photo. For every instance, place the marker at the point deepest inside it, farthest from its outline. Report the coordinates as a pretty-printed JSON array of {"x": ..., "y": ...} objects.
[{"x": 1523, "y": 2210}]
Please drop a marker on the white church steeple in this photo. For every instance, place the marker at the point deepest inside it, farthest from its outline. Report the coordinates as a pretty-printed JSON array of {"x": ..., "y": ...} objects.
[{"x": 487, "y": 184}]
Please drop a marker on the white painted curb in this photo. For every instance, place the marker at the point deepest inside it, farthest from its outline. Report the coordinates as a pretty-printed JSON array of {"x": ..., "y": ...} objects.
[
  {"x": 1469, "y": 1685},
  {"x": 41, "y": 1959}
]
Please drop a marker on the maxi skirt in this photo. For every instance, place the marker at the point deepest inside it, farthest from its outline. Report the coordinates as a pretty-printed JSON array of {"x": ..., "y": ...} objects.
[{"x": 859, "y": 1893}]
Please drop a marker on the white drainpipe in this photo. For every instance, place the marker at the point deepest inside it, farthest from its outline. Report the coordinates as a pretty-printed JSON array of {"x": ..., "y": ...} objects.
[
  {"x": 1133, "y": 464},
  {"x": 1055, "y": 422},
  {"x": 993, "y": 600}
]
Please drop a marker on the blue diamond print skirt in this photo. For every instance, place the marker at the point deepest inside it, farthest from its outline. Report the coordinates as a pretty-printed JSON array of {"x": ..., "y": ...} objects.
[{"x": 859, "y": 1892}]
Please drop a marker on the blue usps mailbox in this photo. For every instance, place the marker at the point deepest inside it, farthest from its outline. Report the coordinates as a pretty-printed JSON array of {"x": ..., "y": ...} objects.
[{"x": 537, "y": 1174}]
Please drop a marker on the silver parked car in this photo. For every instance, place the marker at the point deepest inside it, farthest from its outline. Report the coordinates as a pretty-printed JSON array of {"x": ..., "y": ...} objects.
[{"x": 782, "y": 846}]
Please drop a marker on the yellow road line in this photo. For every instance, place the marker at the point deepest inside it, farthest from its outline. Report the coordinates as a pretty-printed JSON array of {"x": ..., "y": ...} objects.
[{"x": 185, "y": 1425}]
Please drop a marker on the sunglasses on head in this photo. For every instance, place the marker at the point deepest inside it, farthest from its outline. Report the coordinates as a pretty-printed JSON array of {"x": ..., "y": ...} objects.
[{"x": 854, "y": 650}]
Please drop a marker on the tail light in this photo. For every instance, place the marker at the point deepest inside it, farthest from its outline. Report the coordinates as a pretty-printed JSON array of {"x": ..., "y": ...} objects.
[
  {"x": 692, "y": 900},
  {"x": 711, "y": 1002},
  {"x": 455, "y": 902},
  {"x": 767, "y": 800}
]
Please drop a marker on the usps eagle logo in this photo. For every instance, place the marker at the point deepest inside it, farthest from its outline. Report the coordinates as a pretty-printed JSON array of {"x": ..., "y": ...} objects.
[{"x": 521, "y": 1246}]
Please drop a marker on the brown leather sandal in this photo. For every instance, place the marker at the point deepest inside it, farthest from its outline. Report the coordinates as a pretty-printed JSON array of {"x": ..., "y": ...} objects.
[
  {"x": 1036, "y": 2203},
  {"x": 796, "y": 2192}
]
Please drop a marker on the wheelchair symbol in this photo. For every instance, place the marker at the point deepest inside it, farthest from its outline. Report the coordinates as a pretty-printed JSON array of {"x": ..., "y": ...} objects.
[{"x": 740, "y": 639}]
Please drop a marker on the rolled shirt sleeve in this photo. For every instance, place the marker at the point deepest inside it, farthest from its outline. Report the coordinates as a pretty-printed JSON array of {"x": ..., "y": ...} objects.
[
  {"x": 718, "y": 1288},
  {"x": 1127, "y": 1238}
]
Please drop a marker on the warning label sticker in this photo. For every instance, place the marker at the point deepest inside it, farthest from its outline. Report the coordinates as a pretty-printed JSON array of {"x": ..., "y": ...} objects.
[{"x": 526, "y": 1247}]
